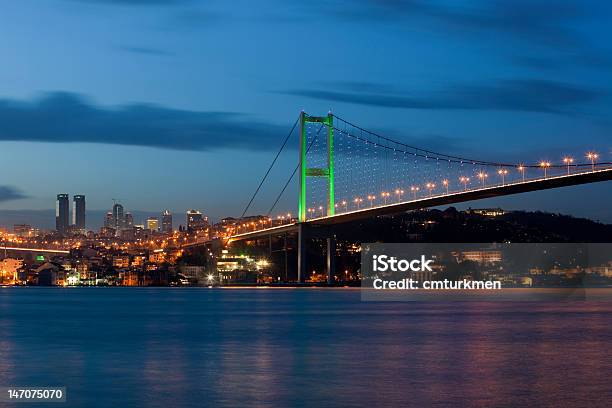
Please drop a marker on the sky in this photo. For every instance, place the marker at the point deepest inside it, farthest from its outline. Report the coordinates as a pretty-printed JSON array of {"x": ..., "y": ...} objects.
[{"x": 182, "y": 104}]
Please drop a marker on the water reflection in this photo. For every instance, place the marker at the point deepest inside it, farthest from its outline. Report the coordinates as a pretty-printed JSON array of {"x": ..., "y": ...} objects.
[{"x": 183, "y": 347}]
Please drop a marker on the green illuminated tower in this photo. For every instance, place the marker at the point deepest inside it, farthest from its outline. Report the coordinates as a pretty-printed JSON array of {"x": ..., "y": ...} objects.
[{"x": 305, "y": 171}]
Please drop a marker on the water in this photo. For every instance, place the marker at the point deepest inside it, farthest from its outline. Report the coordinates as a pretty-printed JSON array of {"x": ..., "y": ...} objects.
[{"x": 178, "y": 347}]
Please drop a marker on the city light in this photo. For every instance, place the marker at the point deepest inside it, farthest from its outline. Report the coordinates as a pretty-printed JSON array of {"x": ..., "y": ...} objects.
[
  {"x": 483, "y": 176},
  {"x": 503, "y": 173},
  {"x": 385, "y": 195},
  {"x": 465, "y": 181},
  {"x": 358, "y": 201},
  {"x": 399, "y": 192},
  {"x": 545, "y": 165},
  {"x": 430, "y": 187},
  {"x": 371, "y": 198},
  {"x": 592, "y": 156},
  {"x": 521, "y": 169},
  {"x": 445, "y": 184},
  {"x": 568, "y": 161},
  {"x": 415, "y": 190}
]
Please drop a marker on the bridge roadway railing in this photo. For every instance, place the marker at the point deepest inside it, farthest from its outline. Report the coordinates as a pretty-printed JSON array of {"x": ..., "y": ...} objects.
[{"x": 453, "y": 196}]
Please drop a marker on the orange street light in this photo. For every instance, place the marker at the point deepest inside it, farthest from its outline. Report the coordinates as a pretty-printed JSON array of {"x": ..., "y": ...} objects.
[
  {"x": 521, "y": 168},
  {"x": 430, "y": 187},
  {"x": 385, "y": 195},
  {"x": 371, "y": 198},
  {"x": 503, "y": 173},
  {"x": 399, "y": 193},
  {"x": 592, "y": 156},
  {"x": 568, "y": 161},
  {"x": 545, "y": 165},
  {"x": 415, "y": 190},
  {"x": 465, "y": 181},
  {"x": 445, "y": 184},
  {"x": 483, "y": 177}
]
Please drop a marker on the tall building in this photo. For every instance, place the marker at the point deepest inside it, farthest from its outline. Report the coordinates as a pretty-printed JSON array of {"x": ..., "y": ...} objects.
[
  {"x": 166, "y": 227},
  {"x": 118, "y": 217},
  {"x": 62, "y": 210},
  {"x": 195, "y": 220},
  {"x": 78, "y": 212},
  {"x": 129, "y": 220},
  {"x": 108, "y": 220},
  {"x": 152, "y": 223}
]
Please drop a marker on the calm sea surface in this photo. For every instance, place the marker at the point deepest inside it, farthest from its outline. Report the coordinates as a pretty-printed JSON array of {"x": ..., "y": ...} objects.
[{"x": 173, "y": 347}]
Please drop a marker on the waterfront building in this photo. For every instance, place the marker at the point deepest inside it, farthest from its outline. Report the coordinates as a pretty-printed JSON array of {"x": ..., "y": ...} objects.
[
  {"x": 121, "y": 261},
  {"x": 482, "y": 256},
  {"x": 487, "y": 212},
  {"x": 8, "y": 270}
]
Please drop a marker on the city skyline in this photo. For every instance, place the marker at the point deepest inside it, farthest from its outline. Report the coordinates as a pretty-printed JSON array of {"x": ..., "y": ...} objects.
[
  {"x": 150, "y": 97},
  {"x": 306, "y": 203},
  {"x": 93, "y": 219}
]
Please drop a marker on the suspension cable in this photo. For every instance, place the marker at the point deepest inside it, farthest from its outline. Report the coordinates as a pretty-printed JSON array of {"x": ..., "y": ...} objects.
[
  {"x": 428, "y": 154},
  {"x": 270, "y": 168},
  {"x": 293, "y": 174}
]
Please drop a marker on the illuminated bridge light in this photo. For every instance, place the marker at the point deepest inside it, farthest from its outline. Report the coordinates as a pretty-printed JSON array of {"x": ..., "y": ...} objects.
[
  {"x": 545, "y": 165},
  {"x": 347, "y": 163},
  {"x": 592, "y": 156},
  {"x": 482, "y": 176}
]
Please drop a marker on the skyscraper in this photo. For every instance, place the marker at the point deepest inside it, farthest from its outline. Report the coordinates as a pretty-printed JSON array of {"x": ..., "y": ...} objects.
[
  {"x": 118, "y": 217},
  {"x": 62, "y": 210},
  {"x": 78, "y": 212},
  {"x": 109, "y": 220},
  {"x": 166, "y": 227},
  {"x": 195, "y": 220},
  {"x": 152, "y": 224},
  {"x": 129, "y": 220}
]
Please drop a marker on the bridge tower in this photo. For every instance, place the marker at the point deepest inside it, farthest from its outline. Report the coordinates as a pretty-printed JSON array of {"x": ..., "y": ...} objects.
[
  {"x": 305, "y": 172},
  {"x": 326, "y": 172}
]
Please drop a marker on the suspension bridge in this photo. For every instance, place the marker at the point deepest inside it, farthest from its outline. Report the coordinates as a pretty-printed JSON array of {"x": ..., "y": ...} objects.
[{"x": 346, "y": 173}]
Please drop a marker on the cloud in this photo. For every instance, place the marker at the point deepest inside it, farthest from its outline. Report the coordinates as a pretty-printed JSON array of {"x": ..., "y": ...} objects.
[
  {"x": 66, "y": 117},
  {"x": 156, "y": 52},
  {"x": 587, "y": 58},
  {"x": 8, "y": 193},
  {"x": 545, "y": 22},
  {"x": 509, "y": 95}
]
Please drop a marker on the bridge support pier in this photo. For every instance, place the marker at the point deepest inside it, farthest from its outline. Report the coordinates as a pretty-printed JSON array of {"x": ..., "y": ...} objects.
[
  {"x": 286, "y": 258},
  {"x": 331, "y": 258},
  {"x": 302, "y": 240}
]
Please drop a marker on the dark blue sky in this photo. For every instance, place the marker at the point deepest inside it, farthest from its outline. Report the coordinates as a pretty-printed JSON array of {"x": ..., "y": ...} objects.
[{"x": 180, "y": 104}]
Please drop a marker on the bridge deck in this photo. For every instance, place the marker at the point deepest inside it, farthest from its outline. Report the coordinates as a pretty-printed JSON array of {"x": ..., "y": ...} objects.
[
  {"x": 50, "y": 251},
  {"x": 440, "y": 200}
]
